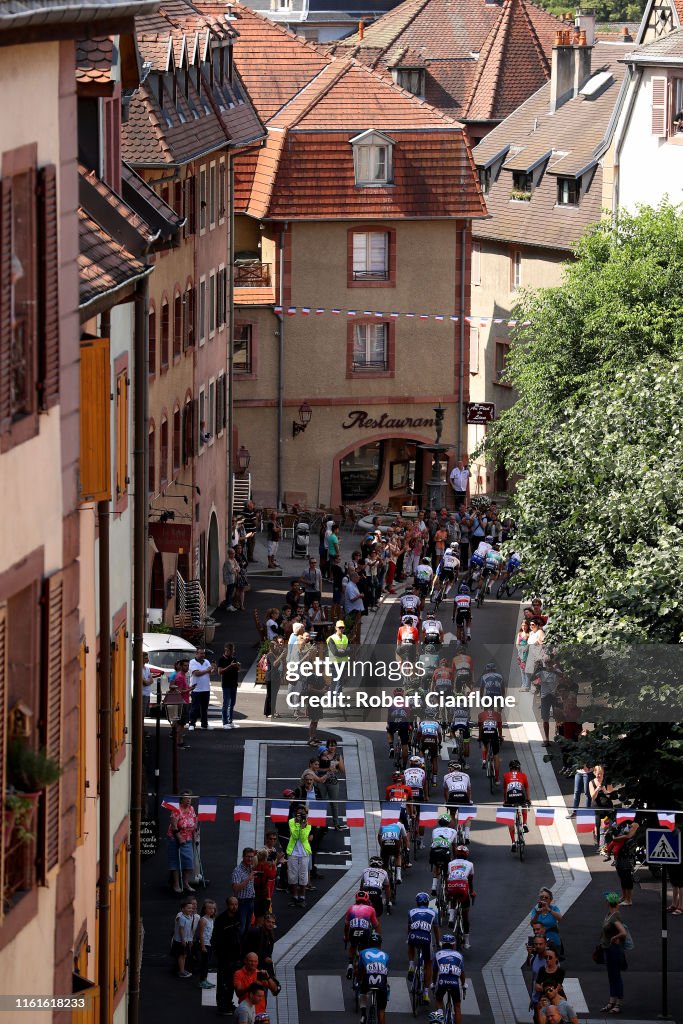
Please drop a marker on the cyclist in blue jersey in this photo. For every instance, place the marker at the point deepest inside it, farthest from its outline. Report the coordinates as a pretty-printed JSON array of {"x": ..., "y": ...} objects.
[
  {"x": 373, "y": 975},
  {"x": 448, "y": 567},
  {"x": 393, "y": 842},
  {"x": 423, "y": 926},
  {"x": 449, "y": 975},
  {"x": 430, "y": 738}
]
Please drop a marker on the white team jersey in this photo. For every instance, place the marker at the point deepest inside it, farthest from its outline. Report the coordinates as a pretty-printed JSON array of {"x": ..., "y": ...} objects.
[
  {"x": 483, "y": 548},
  {"x": 431, "y": 626},
  {"x": 450, "y": 561},
  {"x": 442, "y": 832},
  {"x": 460, "y": 869},
  {"x": 409, "y": 603},
  {"x": 374, "y": 878},
  {"x": 424, "y": 573},
  {"x": 463, "y": 602},
  {"x": 415, "y": 777},
  {"x": 457, "y": 782}
]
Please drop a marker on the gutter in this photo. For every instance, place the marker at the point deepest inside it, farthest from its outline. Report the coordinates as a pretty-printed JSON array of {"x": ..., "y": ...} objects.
[
  {"x": 634, "y": 83},
  {"x": 84, "y": 306}
]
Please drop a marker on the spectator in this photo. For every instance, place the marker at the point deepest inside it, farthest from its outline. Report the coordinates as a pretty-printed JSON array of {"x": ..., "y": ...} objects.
[
  {"x": 459, "y": 480},
  {"x": 204, "y": 935},
  {"x": 550, "y": 972},
  {"x": 200, "y": 685},
  {"x": 183, "y": 937},
  {"x": 464, "y": 521},
  {"x": 227, "y": 945},
  {"x": 537, "y": 962},
  {"x": 275, "y": 674},
  {"x": 522, "y": 651},
  {"x": 317, "y": 686},
  {"x": 181, "y": 832},
  {"x": 265, "y": 871},
  {"x": 478, "y": 529},
  {"x": 582, "y": 779},
  {"x": 230, "y": 573},
  {"x": 548, "y": 681},
  {"x": 535, "y": 650},
  {"x": 274, "y": 534},
  {"x": 274, "y": 846},
  {"x": 393, "y": 550},
  {"x": 558, "y": 1009},
  {"x": 312, "y": 581},
  {"x": 147, "y": 685},
  {"x": 293, "y": 597},
  {"x": 315, "y": 616},
  {"x": 332, "y": 542},
  {"x": 250, "y": 517},
  {"x": 624, "y": 862},
  {"x": 612, "y": 939},
  {"x": 331, "y": 764},
  {"x": 243, "y": 887},
  {"x": 242, "y": 584},
  {"x": 337, "y": 577},
  {"x": 253, "y": 997},
  {"x": 547, "y": 914},
  {"x": 353, "y": 600},
  {"x": 261, "y": 940},
  {"x": 272, "y": 623},
  {"x": 298, "y": 857},
  {"x": 602, "y": 801},
  {"x": 250, "y": 974},
  {"x": 229, "y": 669}
]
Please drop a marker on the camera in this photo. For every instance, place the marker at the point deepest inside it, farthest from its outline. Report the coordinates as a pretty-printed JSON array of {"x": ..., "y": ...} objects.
[{"x": 272, "y": 855}]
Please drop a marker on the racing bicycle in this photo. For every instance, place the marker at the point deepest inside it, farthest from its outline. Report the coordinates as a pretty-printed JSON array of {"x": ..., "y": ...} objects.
[
  {"x": 417, "y": 982},
  {"x": 458, "y": 928},
  {"x": 371, "y": 1017},
  {"x": 449, "y": 1008},
  {"x": 509, "y": 587},
  {"x": 520, "y": 841},
  {"x": 441, "y": 899},
  {"x": 490, "y": 767},
  {"x": 438, "y": 593},
  {"x": 484, "y": 589}
]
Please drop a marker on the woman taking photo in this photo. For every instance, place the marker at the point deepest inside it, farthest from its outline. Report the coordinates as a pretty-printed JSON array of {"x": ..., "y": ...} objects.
[
  {"x": 602, "y": 802},
  {"x": 331, "y": 764},
  {"x": 612, "y": 938},
  {"x": 180, "y": 837},
  {"x": 275, "y": 674}
]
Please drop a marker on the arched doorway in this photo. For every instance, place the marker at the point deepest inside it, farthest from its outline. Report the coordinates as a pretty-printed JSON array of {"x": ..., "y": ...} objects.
[
  {"x": 389, "y": 470},
  {"x": 213, "y": 596},
  {"x": 157, "y": 595}
]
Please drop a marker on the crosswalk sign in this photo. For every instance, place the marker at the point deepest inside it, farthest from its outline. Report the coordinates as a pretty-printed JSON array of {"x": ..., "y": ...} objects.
[{"x": 663, "y": 846}]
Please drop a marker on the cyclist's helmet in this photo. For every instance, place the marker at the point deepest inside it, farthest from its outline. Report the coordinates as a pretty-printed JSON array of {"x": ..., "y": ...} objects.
[
  {"x": 422, "y": 899},
  {"x": 398, "y": 692},
  {"x": 490, "y": 666},
  {"x": 376, "y": 939},
  {"x": 376, "y": 862},
  {"x": 409, "y": 589},
  {"x": 455, "y": 765},
  {"x": 362, "y": 896},
  {"x": 415, "y": 761},
  {"x": 463, "y": 589},
  {"x": 444, "y": 821},
  {"x": 436, "y": 1017},
  {"x": 463, "y": 851},
  {"x": 515, "y": 766},
  {"x": 426, "y": 560},
  {"x": 447, "y": 941},
  {"x": 397, "y": 777},
  {"x": 431, "y": 714},
  {"x": 454, "y": 548}
]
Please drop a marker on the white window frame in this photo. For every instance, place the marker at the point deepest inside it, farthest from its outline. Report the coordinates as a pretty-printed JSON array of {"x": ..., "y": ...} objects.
[
  {"x": 367, "y": 273},
  {"x": 476, "y": 262},
  {"x": 213, "y": 173},
  {"x": 516, "y": 270},
  {"x": 211, "y": 303},
  {"x": 203, "y": 204},
  {"x": 201, "y": 408},
  {"x": 201, "y": 310},
  {"x": 364, "y": 329},
  {"x": 366, "y": 162}
]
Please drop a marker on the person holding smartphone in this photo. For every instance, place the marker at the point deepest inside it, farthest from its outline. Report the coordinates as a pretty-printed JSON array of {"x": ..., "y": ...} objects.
[
  {"x": 229, "y": 669},
  {"x": 548, "y": 914}
]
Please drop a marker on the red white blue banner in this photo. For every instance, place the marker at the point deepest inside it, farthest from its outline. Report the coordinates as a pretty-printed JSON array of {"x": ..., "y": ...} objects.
[
  {"x": 545, "y": 815},
  {"x": 355, "y": 814},
  {"x": 476, "y": 321},
  {"x": 208, "y": 808},
  {"x": 243, "y": 808}
]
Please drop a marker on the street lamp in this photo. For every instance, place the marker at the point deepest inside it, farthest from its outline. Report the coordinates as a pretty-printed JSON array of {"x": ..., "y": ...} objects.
[
  {"x": 305, "y": 413},
  {"x": 173, "y": 706},
  {"x": 243, "y": 458}
]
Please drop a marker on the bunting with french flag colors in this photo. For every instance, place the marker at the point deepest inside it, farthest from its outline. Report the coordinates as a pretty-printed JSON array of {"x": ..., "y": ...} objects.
[
  {"x": 317, "y": 813},
  {"x": 428, "y": 816},
  {"x": 506, "y": 815},
  {"x": 208, "y": 808},
  {"x": 585, "y": 820},
  {"x": 545, "y": 815},
  {"x": 171, "y": 803},
  {"x": 466, "y": 814},
  {"x": 243, "y": 808},
  {"x": 390, "y": 813},
  {"x": 667, "y": 819},
  {"x": 279, "y": 810},
  {"x": 624, "y": 816},
  {"x": 355, "y": 814}
]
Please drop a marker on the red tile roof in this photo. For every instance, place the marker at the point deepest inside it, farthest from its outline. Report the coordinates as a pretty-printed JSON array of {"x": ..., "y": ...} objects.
[
  {"x": 94, "y": 59},
  {"x": 103, "y": 263},
  {"x": 481, "y": 59}
]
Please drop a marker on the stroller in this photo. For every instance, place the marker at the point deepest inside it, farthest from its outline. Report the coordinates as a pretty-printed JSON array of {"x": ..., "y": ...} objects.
[{"x": 300, "y": 539}]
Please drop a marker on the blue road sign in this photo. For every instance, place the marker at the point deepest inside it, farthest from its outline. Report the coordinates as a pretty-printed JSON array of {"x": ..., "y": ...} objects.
[{"x": 663, "y": 846}]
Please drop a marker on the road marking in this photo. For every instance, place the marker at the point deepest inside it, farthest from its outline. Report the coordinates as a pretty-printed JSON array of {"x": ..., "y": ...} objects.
[
  {"x": 470, "y": 1005},
  {"x": 572, "y": 987},
  {"x": 209, "y": 994},
  {"x": 325, "y": 993}
]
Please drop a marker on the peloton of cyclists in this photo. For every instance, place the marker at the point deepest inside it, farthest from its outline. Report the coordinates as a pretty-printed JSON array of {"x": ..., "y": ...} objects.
[
  {"x": 359, "y": 922},
  {"x": 460, "y": 888},
  {"x": 423, "y": 926},
  {"x": 373, "y": 975},
  {"x": 516, "y": 794},
  {"x": 449, "y": 977}
]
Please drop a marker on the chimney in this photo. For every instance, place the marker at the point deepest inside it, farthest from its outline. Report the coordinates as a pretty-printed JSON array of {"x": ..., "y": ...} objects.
[
  {"x": 582, "y": 62},
  {"x": 562, "y": 71},
  {"x": 361, "y": 29},
  {"x": 626, "y": 36},
  {"x": 585, "y": 22}
]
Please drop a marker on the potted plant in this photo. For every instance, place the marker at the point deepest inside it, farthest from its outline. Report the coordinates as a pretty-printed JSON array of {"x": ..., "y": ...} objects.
[
  {"x": 20, "y": 809},
  {"x": 29, "y": 770},
  {"x": 520, "y": 195}
]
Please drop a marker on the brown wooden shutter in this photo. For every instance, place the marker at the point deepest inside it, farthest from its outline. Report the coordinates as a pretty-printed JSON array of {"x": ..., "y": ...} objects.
[
  {"x": 195, "y": 427},
  {"x": 5, "y": 304},
  {"x": 121, "y": 434},
  {"x": 3, "y": 726},
  {"x": 52, "y": 685},
  {"x": 95, "y": 420},
  {"x": 48, "y": 293},
  {"x": 658, "y": 109}
]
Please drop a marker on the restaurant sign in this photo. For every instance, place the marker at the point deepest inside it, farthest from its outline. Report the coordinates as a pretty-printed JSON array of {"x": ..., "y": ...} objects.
[
  {"x": 173, "y": 538},
  {"x": 361, "y": 419},
  {"x": 480, "y": 412}
]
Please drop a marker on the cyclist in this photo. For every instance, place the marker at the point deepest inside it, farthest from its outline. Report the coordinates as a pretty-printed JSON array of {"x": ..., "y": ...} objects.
[
  {"x": 410, "y": 603},
  {"x": 514, "y": 565},
  {"x": 442, "y": 679},
  {"x": 457, "y": 789},
  {"x": 491, "y": 735},
  {"x": 461, "y": 722},
  {"x": 432, "y": 630},
  {"x": 443, "y": 847},
  {"x": 491, "y": 682},
  {"x": 516, "y": 794},
  {"x": 397, "y": 790},
  {"x": 398, "y": 720},
  {"x": 373, "y": 974},
  {"x": 416, "y": 777},
  {"x": 449, "y": 975},
  {"x": 463, "y": 668},
  {"x": 478, "y": 561},
  {"x": 359, "y": 921},
  {"x": 463, "y": 612},
  {"x": 493, "y": 563},
  {"x": 407, "y": 638},
  {"x": 423, "y": 578},
  {"x": 375, "y": 882},
  {"x": 393, "y": 842},
  {"x": 460, "y": 888},
  {"x": 423, "y": 924},
  {"x": 448, "y": 567},
  {"x": 430, "y": 738}
]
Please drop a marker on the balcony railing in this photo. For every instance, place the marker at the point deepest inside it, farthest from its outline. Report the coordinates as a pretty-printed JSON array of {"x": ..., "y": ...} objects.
[
  {"x": 370, "y": 275},
  {"x": 252, "y": 275},
  {"x": 369, "y": 364}
]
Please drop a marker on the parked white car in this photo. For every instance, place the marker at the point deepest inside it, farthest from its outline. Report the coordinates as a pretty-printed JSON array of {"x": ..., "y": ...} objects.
[{"x": 164, "y": 649}]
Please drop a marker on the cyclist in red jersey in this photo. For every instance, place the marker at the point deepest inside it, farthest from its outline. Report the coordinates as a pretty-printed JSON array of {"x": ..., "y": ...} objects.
[{"x": 516, "y": 794}]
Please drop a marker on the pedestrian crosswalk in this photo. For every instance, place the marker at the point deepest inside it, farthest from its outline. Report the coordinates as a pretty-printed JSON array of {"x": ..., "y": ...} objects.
[
  {"x": 575, "y": 997},
  {"x": 331, "y": 993}
]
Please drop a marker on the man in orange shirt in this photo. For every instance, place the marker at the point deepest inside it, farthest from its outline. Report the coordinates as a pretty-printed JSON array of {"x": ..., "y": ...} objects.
[{"x": 251, "y": 975}]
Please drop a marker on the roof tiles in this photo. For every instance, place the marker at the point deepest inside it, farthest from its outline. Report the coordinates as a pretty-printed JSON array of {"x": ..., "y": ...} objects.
[
  {"x": 103, "y": 264},
  {"x": 94, "y": 60}
]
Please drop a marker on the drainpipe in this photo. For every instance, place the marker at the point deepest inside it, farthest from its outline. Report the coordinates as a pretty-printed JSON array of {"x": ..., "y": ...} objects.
[
  {"x": 140, "y": 415},
  {"x": 281, "y": 367},
  {"x": 634, "y": 86},
  {"x": 461, "y": 372},
  {"x": 105, "y": 702},
  {"x": 231, "y": 348}
]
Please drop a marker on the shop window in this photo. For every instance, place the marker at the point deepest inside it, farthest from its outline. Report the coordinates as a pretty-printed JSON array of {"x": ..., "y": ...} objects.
[{"x": 361, "y": 472}]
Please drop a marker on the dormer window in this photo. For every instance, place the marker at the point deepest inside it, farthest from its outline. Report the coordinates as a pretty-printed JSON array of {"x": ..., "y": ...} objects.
[
  {"x": 522, "y": 181},
  {"x": 411, "y": 79},
  {"x": 373, "y": 158},
  {"x": 164, "y": 104},
  {"x": 568, "y": 191}
]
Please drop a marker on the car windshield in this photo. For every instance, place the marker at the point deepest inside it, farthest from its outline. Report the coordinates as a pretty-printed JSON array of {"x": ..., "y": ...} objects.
[{"x": 167, "y": 658}]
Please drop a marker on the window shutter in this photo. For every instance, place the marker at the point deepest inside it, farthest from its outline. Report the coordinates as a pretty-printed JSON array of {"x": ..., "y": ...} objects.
[
  {"x": 183, "y": 435},
  {"x": 195, "y": 427},
  {"x": 3, "y": 718},
  {"x": 474, "y": 350},
  {"x": 360, "y": 252},
  {"x": 659, "y": 105},
  {"x": 95, "y": 415},
  {"x": 121, "y": 434},
  {"x": 476, "y": 262},
  {"x": 224, "y": 399},
  {"x": 48, "y": 324},
  {"x": 5, "y": 304},
  {"x": 52, "y": 683}
]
